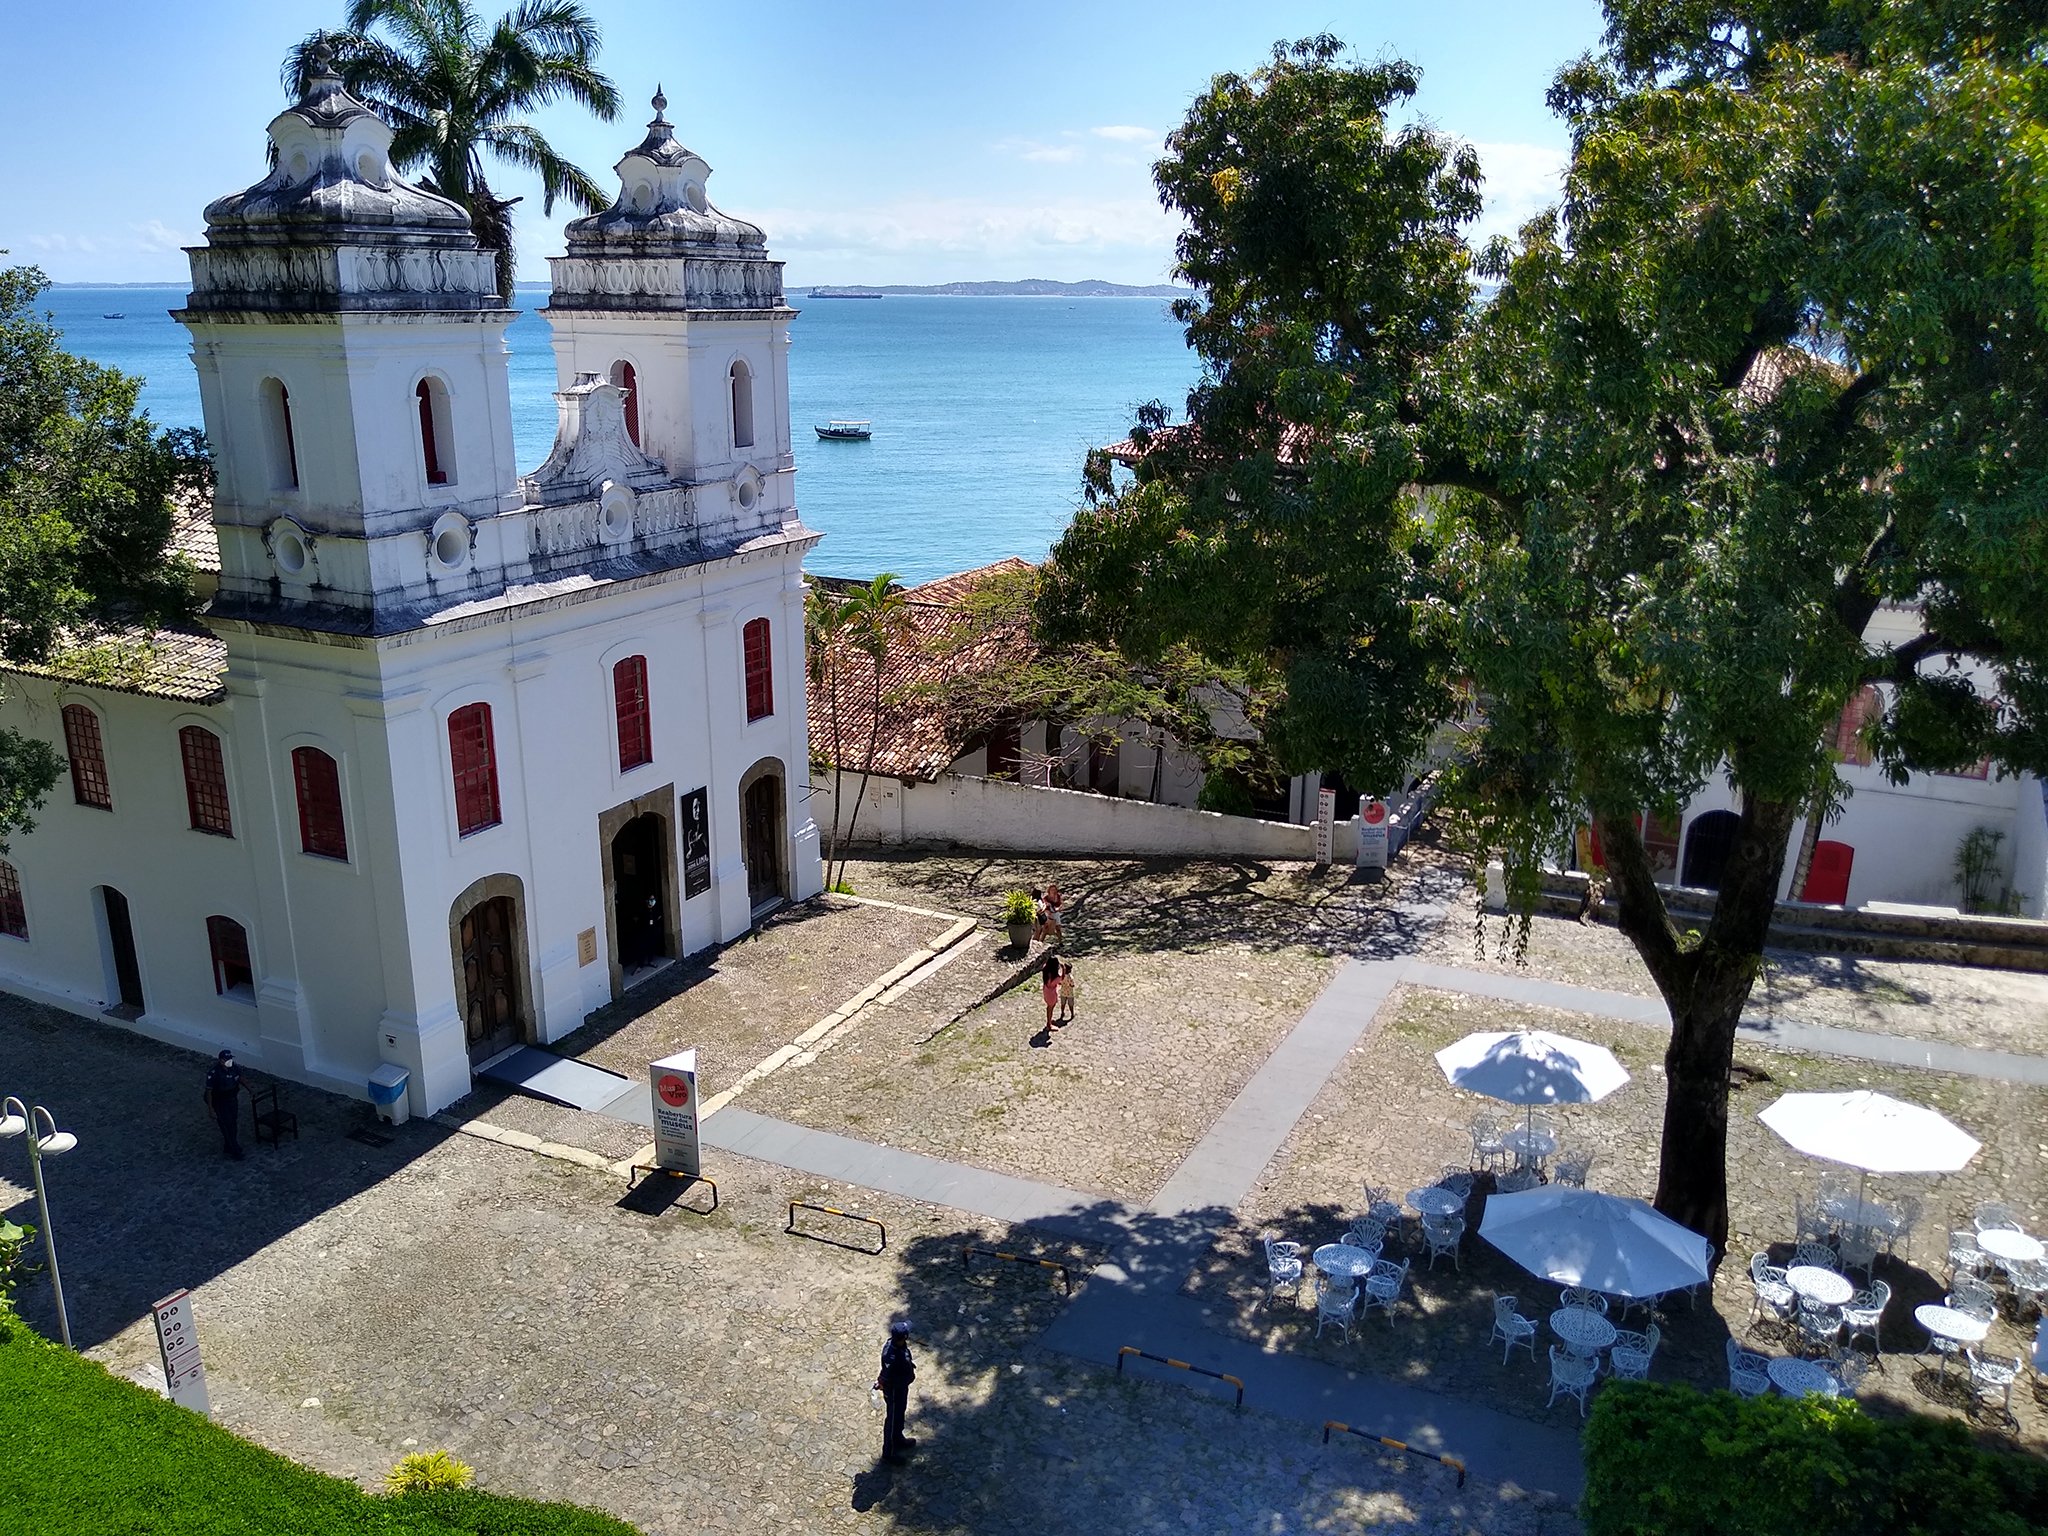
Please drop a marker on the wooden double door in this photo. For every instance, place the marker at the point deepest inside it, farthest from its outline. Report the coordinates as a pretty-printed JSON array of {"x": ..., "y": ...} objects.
[{"x": 491, "y": 1011}]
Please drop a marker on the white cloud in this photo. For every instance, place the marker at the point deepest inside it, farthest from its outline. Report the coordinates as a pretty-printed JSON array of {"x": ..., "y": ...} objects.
[
  {"x": 63, "y": 245},
  {"x": 1521, "y": 179},
  {"x": 940, "y": 239},
  {"x": 1126, "y": 133},
  {"x": 155, "y": 235}
]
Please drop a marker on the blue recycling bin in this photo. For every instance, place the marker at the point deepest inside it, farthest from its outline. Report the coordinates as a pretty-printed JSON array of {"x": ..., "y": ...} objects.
[{"x": 387, "y": 1093}]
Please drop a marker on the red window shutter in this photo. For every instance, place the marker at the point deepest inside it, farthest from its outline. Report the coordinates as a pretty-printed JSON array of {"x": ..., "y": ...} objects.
[
  {"x": 629, "y": 695},
  {"x": 229, "y": 942},
  {"x": 430, "y": 447},
  {"x": 760, "y": 670},
  {"x": 475, "y": 768},
  {"x": 291, "y": 446},
  {"x": 1827, "y": 878},
  {"x": 629, "y": 382},
  {"x": 206, "y": 781},
  {"x": 317, "y": 782},
  {"x": 88, "y": 758},
  {"x": 13, "y": 914}
]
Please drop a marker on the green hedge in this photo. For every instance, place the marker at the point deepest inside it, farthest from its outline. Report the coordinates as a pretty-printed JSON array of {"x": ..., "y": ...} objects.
[
  {"x": 87, "y": 1451},
  {"x": 1668, "y": 1461}
]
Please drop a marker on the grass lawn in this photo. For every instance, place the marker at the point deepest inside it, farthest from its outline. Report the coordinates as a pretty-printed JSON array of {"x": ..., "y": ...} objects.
[{"x": 87, "y": 1451}]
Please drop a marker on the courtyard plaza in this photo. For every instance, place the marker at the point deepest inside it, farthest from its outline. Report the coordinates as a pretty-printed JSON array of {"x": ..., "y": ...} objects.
[{"x": 360, "y": 1293}]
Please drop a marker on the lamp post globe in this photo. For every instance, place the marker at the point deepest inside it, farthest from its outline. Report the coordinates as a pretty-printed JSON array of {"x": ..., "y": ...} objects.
[{"x": 44, "y": 1140}]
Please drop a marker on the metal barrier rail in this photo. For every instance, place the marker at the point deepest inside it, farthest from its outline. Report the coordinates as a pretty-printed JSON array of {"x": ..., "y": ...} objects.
[
  {"x": 677, "y": 1173},
  {"x": 1182, "y": 1365},
  {"x": 833, "y": 1210},
  {"x": 1399, "y": 1445},
  {"x": 1021, "y": 1258}
]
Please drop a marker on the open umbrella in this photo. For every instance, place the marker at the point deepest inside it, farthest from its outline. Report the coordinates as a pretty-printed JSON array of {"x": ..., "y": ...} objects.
[
  {"x": 1609, "y": 1243},
  {"x": 1531, "y": 1067},
  {"x": 1872, "y": 1132}
]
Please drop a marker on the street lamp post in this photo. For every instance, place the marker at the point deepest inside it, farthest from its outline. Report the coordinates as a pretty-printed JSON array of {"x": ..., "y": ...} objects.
[{"x": 44, "y": 1140}]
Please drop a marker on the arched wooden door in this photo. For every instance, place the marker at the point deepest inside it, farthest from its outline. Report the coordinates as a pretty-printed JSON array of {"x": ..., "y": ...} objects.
[
  {"x": 761, "y": 839},
  {"x": 490, "y": 978}
]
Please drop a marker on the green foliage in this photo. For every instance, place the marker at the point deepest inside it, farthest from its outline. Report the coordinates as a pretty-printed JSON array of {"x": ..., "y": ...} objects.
[
  {"x": 1668, "y": 1461},
  {"x": 428, "y": 1472},
  {"x": 87, "y": 1450},
  {"x": 15, "y": 1238},
  {"x": 1018, "y": 907},
  {"x": 454, "y": 85},
  {"x": 1977, "y": 868}
]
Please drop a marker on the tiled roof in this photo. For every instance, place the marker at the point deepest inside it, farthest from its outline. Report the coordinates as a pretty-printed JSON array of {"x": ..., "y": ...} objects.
[
  {"x": 192, "y": 529},
  {"x": 184, "y": 663},
  {"x": 1295, "y": 444},
  {"x": 920, "y": 734}
]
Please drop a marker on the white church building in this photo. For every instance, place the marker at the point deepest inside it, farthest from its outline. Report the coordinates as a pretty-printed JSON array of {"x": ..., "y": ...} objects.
[{"x": 459, "y": 753}]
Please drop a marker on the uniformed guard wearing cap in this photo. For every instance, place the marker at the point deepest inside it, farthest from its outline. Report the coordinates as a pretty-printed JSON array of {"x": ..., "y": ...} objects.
[
  {"x": 897, "y": 1373},
  {"x": 223, "y": 1095}
]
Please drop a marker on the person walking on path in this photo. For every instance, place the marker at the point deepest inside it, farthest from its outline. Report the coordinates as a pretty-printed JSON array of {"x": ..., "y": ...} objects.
[
  {"x": 223, "y": 1095},
  {"x": 1066, "y": 991},
  {"x": 893, "y": 1382},
  {"x": 1049, "y": 987}
]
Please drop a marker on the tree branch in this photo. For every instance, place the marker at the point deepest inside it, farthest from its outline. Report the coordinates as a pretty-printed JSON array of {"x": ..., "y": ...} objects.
[{"x": 1643, "y": 916}]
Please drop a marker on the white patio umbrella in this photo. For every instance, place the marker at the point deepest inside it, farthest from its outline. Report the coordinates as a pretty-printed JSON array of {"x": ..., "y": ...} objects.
[
  {"x": 1531, "y": 1067},
  {"x": 1872, "y": 1132},
  {"x": 1609, "y": 1243}
]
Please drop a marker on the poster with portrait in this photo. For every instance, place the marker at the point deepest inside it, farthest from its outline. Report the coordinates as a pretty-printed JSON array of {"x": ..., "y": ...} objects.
[{"x": 696, "y": 843}]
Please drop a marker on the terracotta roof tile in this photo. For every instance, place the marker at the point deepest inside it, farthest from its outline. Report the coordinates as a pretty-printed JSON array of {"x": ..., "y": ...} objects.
[
  {"x": 1295, "y": 444},
  {"x": 192, "y": 532},
  {"x": 184, "y": 663}
]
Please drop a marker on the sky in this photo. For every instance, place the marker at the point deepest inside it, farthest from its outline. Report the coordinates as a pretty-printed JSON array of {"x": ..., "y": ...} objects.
[{"x": 879, "y": 142}]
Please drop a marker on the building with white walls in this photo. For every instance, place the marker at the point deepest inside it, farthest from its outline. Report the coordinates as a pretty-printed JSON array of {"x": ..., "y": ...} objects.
[{"x": 459, "y": 753}]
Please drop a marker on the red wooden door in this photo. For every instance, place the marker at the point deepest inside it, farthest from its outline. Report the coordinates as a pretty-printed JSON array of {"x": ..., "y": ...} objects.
[{"x": 1827, "y": 881}]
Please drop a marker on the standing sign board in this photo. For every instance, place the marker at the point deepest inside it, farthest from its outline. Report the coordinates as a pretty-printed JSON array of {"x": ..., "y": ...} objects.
[
  {"x": 1372, "y": 834},
  {"x": 184, "y": 1375},
  {"x": 1326, "y": 819},
  {"x": 675, "y": 1114}
]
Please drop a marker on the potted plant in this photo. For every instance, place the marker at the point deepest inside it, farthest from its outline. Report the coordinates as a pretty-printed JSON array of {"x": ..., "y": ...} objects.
[{"x": 1020, "y": 916}]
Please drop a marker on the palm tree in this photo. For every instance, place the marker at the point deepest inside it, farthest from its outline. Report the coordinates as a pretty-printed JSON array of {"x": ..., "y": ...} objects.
[
  {"x": 825, "y": 618},
  {"x": 453, "y": 88},
  {"x": 875, "y": 615}
]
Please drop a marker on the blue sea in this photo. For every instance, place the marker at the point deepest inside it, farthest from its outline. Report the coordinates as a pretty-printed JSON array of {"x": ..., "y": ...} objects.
[{"x": 983, "y": 409}]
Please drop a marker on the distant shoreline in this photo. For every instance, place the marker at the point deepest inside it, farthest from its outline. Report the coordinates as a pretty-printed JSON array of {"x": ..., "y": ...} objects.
[{"x": 1026, "y": 288}]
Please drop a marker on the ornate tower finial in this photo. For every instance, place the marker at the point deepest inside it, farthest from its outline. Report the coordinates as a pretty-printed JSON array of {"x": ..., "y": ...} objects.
[
  {"x": 320, "y": 61},
  {"x": 660, "y": 105}
]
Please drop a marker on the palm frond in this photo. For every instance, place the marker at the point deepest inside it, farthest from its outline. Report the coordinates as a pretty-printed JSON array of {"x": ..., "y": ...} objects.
[{"x": 522, "y": 145}]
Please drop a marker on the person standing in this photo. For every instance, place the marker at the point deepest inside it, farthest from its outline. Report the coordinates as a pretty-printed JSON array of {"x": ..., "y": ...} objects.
[
  {"x": 1049, "y": 987},
  {"x": 1055, "y": 924},
  {"x": 893, "y": 1382},
  {"x": 1066, "y": 991},
  {"x": 223, "y": 1095}
]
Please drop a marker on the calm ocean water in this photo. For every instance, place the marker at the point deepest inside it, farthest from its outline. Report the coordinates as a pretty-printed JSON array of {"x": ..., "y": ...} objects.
[{"x": 983, "y": 408}]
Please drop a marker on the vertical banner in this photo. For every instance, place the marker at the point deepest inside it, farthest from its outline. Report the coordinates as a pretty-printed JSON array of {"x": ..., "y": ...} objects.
[
  {"x": 184, "y": 1374},
  {"x": 696, "y": 843},
  {"x": 1372, "y": 834},
  {"x": 1326, "y": 821},
  {"x": 675, "y": 1113}
]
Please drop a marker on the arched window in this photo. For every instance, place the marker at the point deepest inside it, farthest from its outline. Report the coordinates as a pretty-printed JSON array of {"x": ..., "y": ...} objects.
[
  {"x": 88, "y": 758},
  {"x": 206, "y": 781},
  {"x": 760, "y": 669},
  {"x": 13, "y": 914},
  {"x": 282, "y": 446},
  {"x": 318, "y": 783},
  {"x": 742, "y": 406},
  {"x": 627, "y": 379},
  {"x": 475, "y": 768},
  {"x": 636, "y": 730},
  {"x": 229, "y": 941},
  {"x": 1708, "y": 843},
  {"x": 437, "y": 445}
]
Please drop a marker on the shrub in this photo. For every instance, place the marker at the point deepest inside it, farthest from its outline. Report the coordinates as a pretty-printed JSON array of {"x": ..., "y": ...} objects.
[
  {"x": 428, "y": 1472},
  {"x": 1668, "y": 1461},
  {"x": 1018, "y": 907},
  {"x": 14, "y": 1241}
]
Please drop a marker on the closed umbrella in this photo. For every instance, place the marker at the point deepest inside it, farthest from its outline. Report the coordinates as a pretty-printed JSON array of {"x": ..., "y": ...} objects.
[
  {"x": 1531, "y": 1067},
  {"x": 1873, "y": 1132},
  {"x": 1610, "y": 1243}
]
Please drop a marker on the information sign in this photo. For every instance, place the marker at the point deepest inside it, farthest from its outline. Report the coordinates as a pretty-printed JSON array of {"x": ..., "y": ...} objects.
[
  {"x": 184, "y": 1373},
  {"x": 1372, "y": 833},
  {"x": 675, "y": 1113}
]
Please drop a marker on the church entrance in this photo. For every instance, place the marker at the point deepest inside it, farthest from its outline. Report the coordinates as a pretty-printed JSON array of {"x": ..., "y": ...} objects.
[
  {"x": 127, "y": 970},
  {"x": 640, "y": 885},
  {"x": 491, "y": 1015},
  {"x": 761, "y": 834}
]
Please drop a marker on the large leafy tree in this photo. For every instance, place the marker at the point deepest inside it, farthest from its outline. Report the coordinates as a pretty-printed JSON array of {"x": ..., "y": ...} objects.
[
  {"x": 85, "y": 515},
  {"x": 1781, "y": 356},
  {"x": 455, "y": 88}
]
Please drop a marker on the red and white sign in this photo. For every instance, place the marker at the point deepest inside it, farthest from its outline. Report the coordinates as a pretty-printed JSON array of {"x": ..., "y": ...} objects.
[
  {"x": 1372, "y": 833},
  {"x": 675, "y": 1113},
  {"x": 184, "y": 1372}
]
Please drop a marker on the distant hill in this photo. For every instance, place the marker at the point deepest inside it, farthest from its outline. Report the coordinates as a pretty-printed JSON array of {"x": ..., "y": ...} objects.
[{"x": 1026, "y": 288}]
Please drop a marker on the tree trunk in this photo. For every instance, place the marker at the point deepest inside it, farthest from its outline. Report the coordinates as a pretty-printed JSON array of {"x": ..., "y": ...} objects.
[
  {"x": 1809, "y": 839},
  {"x": 867, "y": 763},
  {"x": 1705, "y": 989}
]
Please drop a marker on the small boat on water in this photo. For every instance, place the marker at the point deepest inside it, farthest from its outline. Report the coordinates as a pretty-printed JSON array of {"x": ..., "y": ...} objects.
[
  {"x": 113, "y": 315},
  {"x": 836, "y": 431}
]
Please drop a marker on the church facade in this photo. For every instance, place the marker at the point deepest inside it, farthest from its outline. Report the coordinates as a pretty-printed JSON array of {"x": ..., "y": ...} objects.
[{"x": 459, "y": 754}]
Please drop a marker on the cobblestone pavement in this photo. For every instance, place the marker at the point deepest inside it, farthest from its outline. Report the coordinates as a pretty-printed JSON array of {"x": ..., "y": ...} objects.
[
  {"x": 1995, "y": 1010},
  {"x": 1389, "y": 1118}
]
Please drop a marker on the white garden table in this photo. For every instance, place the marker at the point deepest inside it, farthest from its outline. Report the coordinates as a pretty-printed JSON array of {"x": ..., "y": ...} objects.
[
  {"x": 1821, "y": 1286},
  {"x": 2010, "y": 1247}
]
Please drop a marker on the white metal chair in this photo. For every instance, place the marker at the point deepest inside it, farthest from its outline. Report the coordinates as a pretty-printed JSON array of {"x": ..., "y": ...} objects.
[
  {"x": 1964, "y": 1256},
  {"x": 1458, "y": 1181},
  {"x": 1580, "y": 1296},
  {"x": 1381, "y": 1206},
  {"x": 1571, "y": 1376},
  {"x": 1898, "y": 1223},
  {"x": 1443, "y": 1234},
  {"x": 1810, "y": 1224},
  {"x": 2029, "y": 1285},
  {"x": 1571, "y": 1168},
  {"x": 1819, "y": 1327},
  {"x": 1511, "y": 1328},
  {"x": 1994, "y": 1215},
  {"x": 1632, "y": 1353},
  {"x": 1370, "y": 1231},
  {"x": 1848, "y": 1369},
  {"x": 1817, "y": 1255},
  {"x": 1748, "y": 1373},
  {"x": 1336, "y": 1303},
  {"x": 1857, "y": 1249},
  {"x": 1515, "y": 1180},
  {"x": 1773, "y": 1295},
  {"x": 1283, "y": 1266},
  {"x": 1974, "y": 1298},
  {"x": 1863, "y": 1315},
  {"x": 1991, "y": 1374},
  {"x": 1383, "y": 1286},
  {"x": 1488, "y": 1152}
]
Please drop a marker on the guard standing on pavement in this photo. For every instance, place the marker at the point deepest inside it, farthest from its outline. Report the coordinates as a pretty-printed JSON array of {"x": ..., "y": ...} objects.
[
  {"x": 223, "y": 1095},
  {"x": 897, "y": 1373}
]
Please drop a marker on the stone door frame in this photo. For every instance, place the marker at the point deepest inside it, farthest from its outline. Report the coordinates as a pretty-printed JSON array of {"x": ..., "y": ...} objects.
[
  {"x": 489, "y": 889},
  {"x": 658, "y": 802}
]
